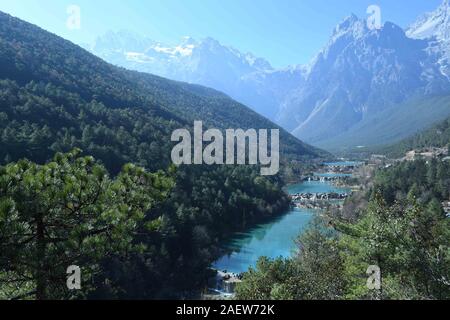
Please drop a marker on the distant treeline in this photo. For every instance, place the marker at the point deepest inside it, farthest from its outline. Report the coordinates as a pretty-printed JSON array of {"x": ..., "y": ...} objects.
[
  {"x": 57, "y": 99},
  {"x": 437, "y": 136},
  {"x": 403, "y": 231}
]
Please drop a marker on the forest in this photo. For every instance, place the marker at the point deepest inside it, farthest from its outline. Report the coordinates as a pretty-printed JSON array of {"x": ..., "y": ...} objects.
[
  {"x": 86, "y": 177},
  {"x": 135, "y": 235},
  {"x": 437, "y": 136},
  {"x": 403, "y": 230}
]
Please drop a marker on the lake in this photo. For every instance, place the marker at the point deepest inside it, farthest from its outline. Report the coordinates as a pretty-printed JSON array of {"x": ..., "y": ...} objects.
[{"x": 274, "y": 239}]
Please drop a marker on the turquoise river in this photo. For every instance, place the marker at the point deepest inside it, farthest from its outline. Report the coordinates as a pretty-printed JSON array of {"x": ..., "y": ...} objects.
[{"x": 274, "y": 239}]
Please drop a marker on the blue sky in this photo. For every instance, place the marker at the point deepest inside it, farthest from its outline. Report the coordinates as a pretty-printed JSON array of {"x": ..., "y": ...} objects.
[{"x": 282, "y": 31}]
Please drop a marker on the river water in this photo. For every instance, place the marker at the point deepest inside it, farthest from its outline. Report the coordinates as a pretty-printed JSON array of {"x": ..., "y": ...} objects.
[{"x": 274, "y": 239}]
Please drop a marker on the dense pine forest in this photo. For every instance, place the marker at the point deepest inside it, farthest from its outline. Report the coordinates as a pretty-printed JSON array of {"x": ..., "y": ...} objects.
[
  {"x": 400, "y": 227},
  {"x": 70, "y": 125},
  {"x": 437, "y": 136},
  {"x": 86, "y": 179},
  {"x": 78, "y": 91}
]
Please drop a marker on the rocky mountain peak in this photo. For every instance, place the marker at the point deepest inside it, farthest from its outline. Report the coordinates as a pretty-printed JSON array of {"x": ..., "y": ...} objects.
[{"x": 435, "y": 24}]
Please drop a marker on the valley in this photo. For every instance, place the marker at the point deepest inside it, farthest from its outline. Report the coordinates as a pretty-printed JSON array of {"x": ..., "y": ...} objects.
[
  {"x": 392, "y": 201},
  {"x": 330, "y": 192},
  {"x": 353, "y": 92},
  {"x": 101, "y": 170},
  {"x": 277, "y": 237},
  {"x": 71, "y": 110}
]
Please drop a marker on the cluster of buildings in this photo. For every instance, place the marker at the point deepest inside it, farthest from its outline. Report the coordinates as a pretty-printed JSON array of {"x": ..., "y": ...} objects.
[
  {"x": 427, "y": 153},
  {"x": 319, "y": 200},
  {"x": 319, "y": 196},
  {"x": 446, "y": 206}
]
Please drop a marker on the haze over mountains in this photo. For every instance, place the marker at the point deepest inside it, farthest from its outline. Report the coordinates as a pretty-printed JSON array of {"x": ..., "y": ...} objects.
[
  {"x": 365, "y": 87},
  {"x": 251, "y": 80},
  {"x": 57, "y": 73},
  {"x": 56, "y": 97}
]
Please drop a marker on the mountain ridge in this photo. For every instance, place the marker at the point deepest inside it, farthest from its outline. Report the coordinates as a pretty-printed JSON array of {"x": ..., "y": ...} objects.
[
  {"x": 56, "y": 97},
  {"x": 25, "y": 58},
  {"x": 358, "y": 74},
  {"x": 242, "y": 76}
]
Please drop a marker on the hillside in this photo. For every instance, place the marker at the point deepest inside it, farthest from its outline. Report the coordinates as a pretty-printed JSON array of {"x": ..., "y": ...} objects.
[
  {"x": 56, "y": 97},
  {"x": 57, "y": 82},
  {"x": 437, "y": 136},
  {"x": 348, "y": 95},
  {"x": 393, "y": 125}
]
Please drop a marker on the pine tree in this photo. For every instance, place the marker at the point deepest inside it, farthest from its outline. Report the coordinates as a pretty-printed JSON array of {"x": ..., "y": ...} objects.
[{"x": 68, "y": 212}]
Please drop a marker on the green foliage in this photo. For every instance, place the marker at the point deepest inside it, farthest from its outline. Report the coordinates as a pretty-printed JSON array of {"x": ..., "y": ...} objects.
[
  {"x": 403, "y": 230},
  {"x": 55, "y": 97},
  {"x": 68, "y": 212},
  {"x": 315, "y": 273},
  {"x": 320, "y": 263},
  {"x": 409, "y": 243},
  {"x": 414, "y": 180},
  {"x": 270, "y": 280},
  {"x": 206, "y": 205},
  {"x": 436, "y": 136}
]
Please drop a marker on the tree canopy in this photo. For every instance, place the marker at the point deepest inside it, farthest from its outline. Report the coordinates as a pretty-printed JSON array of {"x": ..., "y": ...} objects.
[{"x": 69, "y": 212}]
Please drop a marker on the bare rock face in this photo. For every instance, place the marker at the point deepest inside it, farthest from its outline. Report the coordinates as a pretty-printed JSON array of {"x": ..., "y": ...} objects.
[{"x": 355, "y": 84}]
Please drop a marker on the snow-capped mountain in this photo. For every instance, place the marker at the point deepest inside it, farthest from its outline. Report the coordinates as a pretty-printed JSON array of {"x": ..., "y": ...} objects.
[
  {"x": 432, "y": 24},
  {"x": 359, "y": 73},
  {"x": 245, "y": 77},
  {"x": 435, "y": 28},
  {"x": 359, "y": 81}
]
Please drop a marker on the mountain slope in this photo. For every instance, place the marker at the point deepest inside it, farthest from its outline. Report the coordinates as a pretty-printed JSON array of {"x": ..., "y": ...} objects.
[
  {"x": 437, "y": 136},
  {"x": 359, "y": 74},
  {"x": 435, "y": 24},
  {"x": 246, "y": 78},
  {"x": 434, "y": 27},
  {"x": 393, "y": 125},
  {"x": 55, "y": 96},
  {"x": 43, "y": 64}
]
